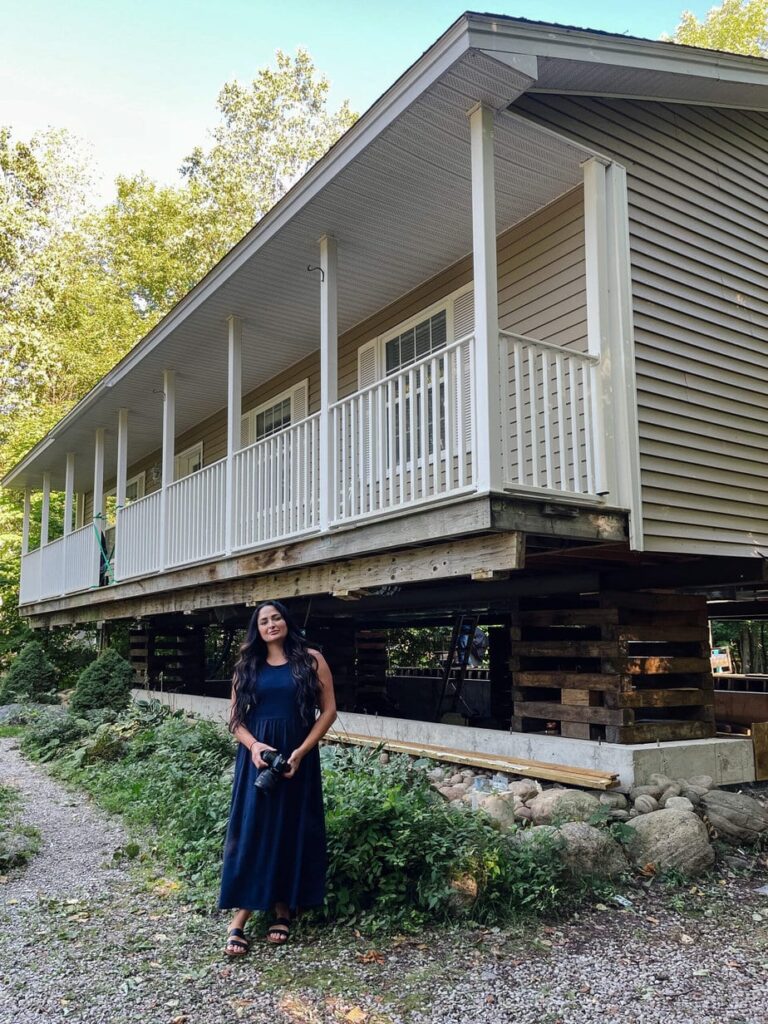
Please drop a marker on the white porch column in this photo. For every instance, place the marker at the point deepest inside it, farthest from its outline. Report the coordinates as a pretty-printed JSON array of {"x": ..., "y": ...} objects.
[
  {"x": 98, "y": 477},
  {"x": 46, "y": 512},
  {"x": 234, "y": 417},
  {"x": 169, "y": 452},
  {"x": 487, "y": 429},
  {"x": 121, "y": 478},
  {"x": 69, "y": 492},
  {"x": 25, "y": 521},
  {"x": 609, "y": 332},
  {"x": 329, "y": 373}
]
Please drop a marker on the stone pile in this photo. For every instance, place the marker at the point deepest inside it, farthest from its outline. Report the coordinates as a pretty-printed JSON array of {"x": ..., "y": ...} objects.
[{"x": 673, "y": 822}]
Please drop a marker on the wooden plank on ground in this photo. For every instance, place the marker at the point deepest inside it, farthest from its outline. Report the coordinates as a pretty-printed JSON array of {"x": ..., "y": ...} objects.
[{"x": 589, "y": 778}]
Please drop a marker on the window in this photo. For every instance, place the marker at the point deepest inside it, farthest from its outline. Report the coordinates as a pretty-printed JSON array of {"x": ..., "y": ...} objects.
[
  {"x": 274, "y": 415},
  {"x": 188, "y": 461},
  {"x": 415, "y": 343},
  {"x": 134, "y": 489}
]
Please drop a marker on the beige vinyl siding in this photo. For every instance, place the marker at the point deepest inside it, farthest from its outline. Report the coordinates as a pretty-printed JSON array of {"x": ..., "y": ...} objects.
[
  {"x": 698, "y": 210},
  {"x": 542, "y": 287}
]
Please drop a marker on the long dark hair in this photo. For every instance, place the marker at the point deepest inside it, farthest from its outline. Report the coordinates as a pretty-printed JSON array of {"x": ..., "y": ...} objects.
[{"x": 253, "y": 657}]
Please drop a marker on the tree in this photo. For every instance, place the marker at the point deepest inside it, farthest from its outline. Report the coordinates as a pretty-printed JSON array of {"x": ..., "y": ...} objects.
[
  {"x": 105, "y": 683},
  {"x": 738, "y": 26},
  {"x": 31, "y": 677}
]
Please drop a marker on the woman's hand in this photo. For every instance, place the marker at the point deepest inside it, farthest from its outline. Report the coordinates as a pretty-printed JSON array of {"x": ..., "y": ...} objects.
[
  {"x": 294, "y": 761},
  {"x": 256, "y": 749}
]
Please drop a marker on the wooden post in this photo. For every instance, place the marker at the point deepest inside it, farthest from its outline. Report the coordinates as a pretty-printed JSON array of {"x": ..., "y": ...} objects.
[
  {"x": 234, "y": 417},
  {"x": 329, "y": 374},
  {"x": 69, "y": 492},
  {"x": 46, "y": 512},
  {"x": 168, "y": 457},
  {"x": 25, "y": 521},
  {"x": 486, "y": 429}
]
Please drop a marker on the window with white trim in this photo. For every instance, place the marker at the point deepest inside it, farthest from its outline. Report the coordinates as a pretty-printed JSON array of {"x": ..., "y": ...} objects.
[
  {"x": 189, "y": 461},
  {"x": 276, "y": 414}
]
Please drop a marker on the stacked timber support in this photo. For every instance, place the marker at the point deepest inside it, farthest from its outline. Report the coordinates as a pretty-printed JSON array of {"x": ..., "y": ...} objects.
[
  {"x": 624, "y": 668},
  {"x": 169, "y": 659},
  {"x": 372, "y": 664},
  {"x": 336, "y": 641}
]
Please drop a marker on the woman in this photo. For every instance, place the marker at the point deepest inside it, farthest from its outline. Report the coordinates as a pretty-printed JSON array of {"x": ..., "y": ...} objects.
[{"x": 274, "y": 857}]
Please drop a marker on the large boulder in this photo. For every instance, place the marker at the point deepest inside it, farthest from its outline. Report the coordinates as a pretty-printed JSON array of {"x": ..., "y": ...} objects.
[
  {"x": 524, "y": 789},
  {"x": 501, "y": 810},
  {"x": 591, "y": 851},
  {"x": 559, "y": 805},
  {"x": 671, "y": 839},
  {"x": 736, "y": 817}
]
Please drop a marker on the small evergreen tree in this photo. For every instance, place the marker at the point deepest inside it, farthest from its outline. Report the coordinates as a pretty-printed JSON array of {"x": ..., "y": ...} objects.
[
  {"x": 105, "y": 683},
  {"x": 31, "y": 677}
]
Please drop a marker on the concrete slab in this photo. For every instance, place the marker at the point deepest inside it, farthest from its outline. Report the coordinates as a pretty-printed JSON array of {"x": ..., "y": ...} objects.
[{"x": 729, "y": 761}]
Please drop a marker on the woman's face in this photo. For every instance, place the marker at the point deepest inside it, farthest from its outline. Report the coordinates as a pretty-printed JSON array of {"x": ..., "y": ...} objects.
[{"x": 272, "y": 625}]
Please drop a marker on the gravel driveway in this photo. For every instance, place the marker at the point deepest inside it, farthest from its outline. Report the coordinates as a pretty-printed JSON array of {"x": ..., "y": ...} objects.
[{"x": 84, "y": 940}]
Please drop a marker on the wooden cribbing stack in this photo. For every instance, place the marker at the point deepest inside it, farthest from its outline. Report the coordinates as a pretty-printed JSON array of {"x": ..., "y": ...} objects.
[
  {"x": 588, "y": 778},
  {"x": 624, "y": 668}
]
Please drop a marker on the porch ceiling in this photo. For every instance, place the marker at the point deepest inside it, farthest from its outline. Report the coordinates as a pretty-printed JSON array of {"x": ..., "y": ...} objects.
[{"x": 401, "y": 212}]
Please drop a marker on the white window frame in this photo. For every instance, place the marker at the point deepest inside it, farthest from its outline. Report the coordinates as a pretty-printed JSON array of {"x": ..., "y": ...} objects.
[
  {"x": 249, "y": 417},
  {"x": 193, "y": 449},
  {"x": 138, "y": 478}
]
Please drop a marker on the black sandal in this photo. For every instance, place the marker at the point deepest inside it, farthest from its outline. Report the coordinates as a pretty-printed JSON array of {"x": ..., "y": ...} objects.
[
  {"x": 236, "y": 937},
  {"x": 280, "y": 929}
]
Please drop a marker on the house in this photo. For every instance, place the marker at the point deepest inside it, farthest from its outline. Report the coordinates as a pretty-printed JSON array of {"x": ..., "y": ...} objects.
[{"x": 503, "y": 350}]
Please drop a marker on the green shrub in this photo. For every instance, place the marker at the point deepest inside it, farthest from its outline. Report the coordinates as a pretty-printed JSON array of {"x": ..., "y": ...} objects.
[
  {"x": 31, "y": 677},
  {"x": 400, "y": 857},
  {"x": 105, "y": 683},
  {"x": 18, "y": 842},
  {"x": 47, "y": 735}
]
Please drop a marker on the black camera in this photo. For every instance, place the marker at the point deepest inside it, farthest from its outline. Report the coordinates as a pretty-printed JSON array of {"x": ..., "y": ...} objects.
[{"x": 277, "y": 765}]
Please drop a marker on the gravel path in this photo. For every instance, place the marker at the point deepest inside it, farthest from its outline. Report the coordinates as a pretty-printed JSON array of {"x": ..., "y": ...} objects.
[{"x": 82, "y": 940}]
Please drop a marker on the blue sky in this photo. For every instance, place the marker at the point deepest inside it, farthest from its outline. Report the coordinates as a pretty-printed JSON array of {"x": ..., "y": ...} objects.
[{"x": 137, "y": 80}]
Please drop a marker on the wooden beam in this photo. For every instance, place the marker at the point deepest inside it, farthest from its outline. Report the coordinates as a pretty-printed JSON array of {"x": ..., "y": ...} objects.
[{"x": 760, "y": 744}]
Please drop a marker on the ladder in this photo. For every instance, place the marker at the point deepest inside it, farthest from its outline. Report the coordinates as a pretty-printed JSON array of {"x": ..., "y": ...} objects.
[{"x": 452, "y": 681}]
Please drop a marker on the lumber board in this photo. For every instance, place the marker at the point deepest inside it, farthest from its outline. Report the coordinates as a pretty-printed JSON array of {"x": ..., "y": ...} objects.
[
  {"x": 567, "y": 649},
  {"x": 589, "y": 778},
  {"x": 659, "y": 665},
  {"x": 658, "y": 634},
  {"x": 675, "y": 698},
  {"x": 552, "y": 711},
  {"x": 652, "y": 602},
  {"x": 663, "y": 732},
  {"x": 570, "y": 617},
  {"x": 760, "y": 745},
  {"x": 575, "y": 680}
]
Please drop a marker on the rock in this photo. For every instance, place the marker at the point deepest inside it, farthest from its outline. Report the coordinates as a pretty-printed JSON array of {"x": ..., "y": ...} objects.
[
  {"x": 591, "y": 851},
  {"x": 671, "y": 839},
  {"x": 436, "y": 774},
  {"x": 384, "y": 757},
  {"x": 452, "y": 792},
  {"x": 736, "y": 817},
  {"x": 657, "y": 779},
  {"x": 501, "y": 810},
  {"x": 705, "y": 781},
  {"x": 524, "y": 789},
  {"x": 464, "y": 892},
  {"x": 534, "y": 834},
  {"x": 654, "y": 791},
  {"x": 679, "y": 803},
  {"x": 645, "y": 804},
  {"x": 618, "y": 814},
  {"x": 614, "y": 800},
  {"x": 692, "y": 794},
  {"x": 456, "y": 780},
  {"x": 669, "y": 792},
  {"x": 523, "y": 813},
  {"x": 563, "y": 805}
]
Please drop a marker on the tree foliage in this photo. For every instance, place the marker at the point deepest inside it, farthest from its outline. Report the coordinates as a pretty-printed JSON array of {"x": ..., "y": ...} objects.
[
  {"x": 738, "y": 26},
  {"x": 79, "y": 286},
  {"x": 31, "y": 676},
  {"x": 105, "y": 683}
]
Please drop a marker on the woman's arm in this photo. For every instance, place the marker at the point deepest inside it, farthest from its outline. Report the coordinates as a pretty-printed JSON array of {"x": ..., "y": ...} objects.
[
  {"x": 248, "y": 740},
  {"x": 324, "y": 721}
]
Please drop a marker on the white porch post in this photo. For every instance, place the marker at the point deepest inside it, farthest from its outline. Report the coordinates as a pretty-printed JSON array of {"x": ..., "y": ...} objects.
[
  {"x": 169, "y": 452},
  {"x": 69, "y": 492},
  {"x": 121, "y": 475},
  {"x": 98, "y": 500},
  {"x": 486, "y": 430},
  {"x": 46, "y": 511},
  {"x": 598, "y": 326},
  {"x": 329, "y": 373},
  {"x": 234, "y": 416},
  {"x": 25, "y": 521}
]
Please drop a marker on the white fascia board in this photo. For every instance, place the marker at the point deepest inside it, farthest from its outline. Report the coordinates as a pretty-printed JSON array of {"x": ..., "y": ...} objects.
[
  {"x": 489, "y": 34},
  {"x": 412, "y": 83}
]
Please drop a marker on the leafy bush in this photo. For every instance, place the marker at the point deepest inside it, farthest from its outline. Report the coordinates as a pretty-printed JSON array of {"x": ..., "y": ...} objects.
[
  {"x": 399, "y": 856},
  {"x": 31, "y": 677},
  {"x": 47, "y": 735},
  {"x": 105, "y": 683}
]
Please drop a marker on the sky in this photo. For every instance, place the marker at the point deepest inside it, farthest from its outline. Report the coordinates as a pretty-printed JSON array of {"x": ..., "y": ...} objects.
[{"x": 137, "y": 80}]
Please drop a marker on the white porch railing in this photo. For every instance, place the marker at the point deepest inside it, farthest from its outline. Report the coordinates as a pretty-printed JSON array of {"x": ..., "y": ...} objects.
[
  {"x": 63, "y": 566},
  {"x": 82, "y": 559},
  {"x": 52, "y": 582},
  {"x": 277, "y": 485},
  {"x": 139, "y": 537},
  {"x": 31, "y": 565},
  {"x": 406, "y": 439},
  {"x": 548, "y": 397},
  {"x": 196, "y": 513}
]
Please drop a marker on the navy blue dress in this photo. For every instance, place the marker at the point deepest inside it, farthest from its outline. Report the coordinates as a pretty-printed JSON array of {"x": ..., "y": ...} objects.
[{"x": 275, "y": 847}]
